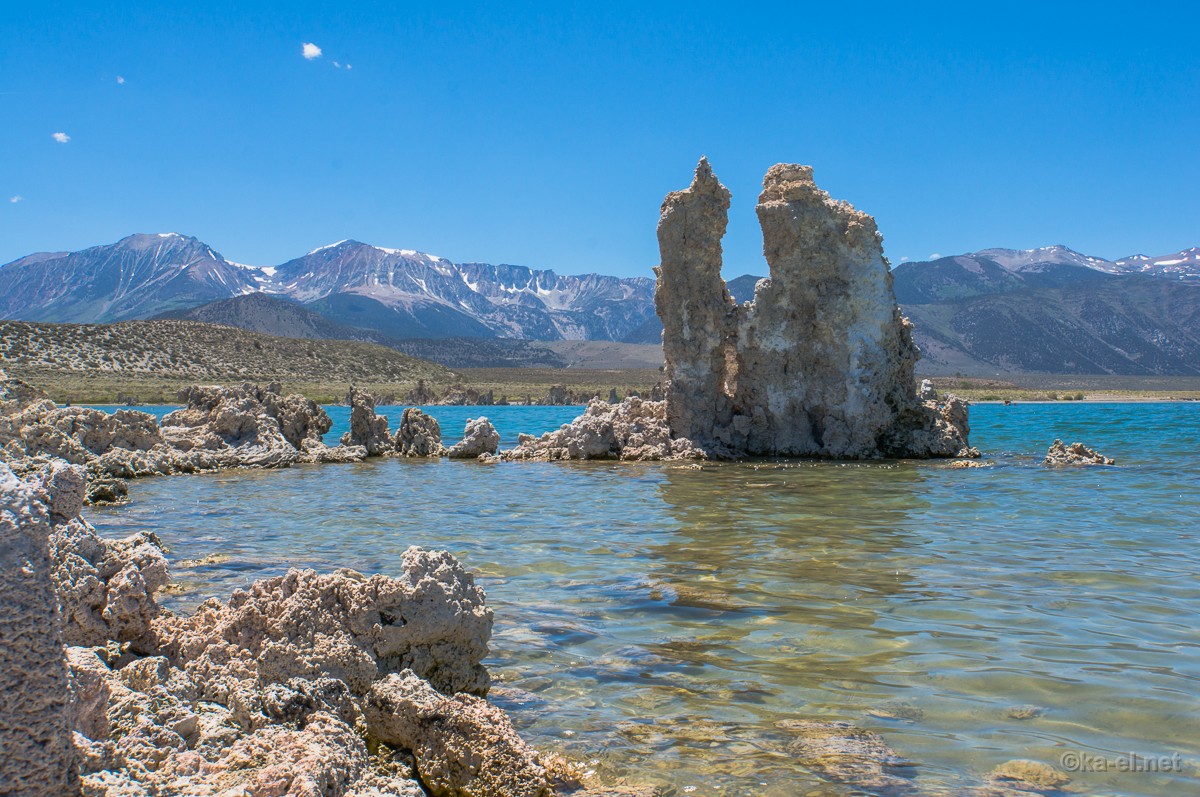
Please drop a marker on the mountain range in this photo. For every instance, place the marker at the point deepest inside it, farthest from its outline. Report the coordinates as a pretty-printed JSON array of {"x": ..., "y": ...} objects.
[
  {"x": 1054, "y": 310},
  {"x": 993, "y": 311},
  {"x": 400, "y": 293}
]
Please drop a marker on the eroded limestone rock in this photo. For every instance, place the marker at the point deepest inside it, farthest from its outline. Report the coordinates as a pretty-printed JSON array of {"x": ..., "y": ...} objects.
[
  {"x": 1074, "y": 454},
  {"x": 107, "y": 587},
  {"x": 367, "y": 429},
  {"x": 300, "y": 419},
  {"x": 38, "y": 757},
  {"x": 479, "y": 438},
  {"x": 420, "y": 435},
  {"x": 820, "y": 363},
  {"x": 463, "y": 745},
  {"x": 632, "y": 430}
]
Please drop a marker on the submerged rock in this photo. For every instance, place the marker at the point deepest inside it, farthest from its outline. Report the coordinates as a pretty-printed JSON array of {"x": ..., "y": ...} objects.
[
  {"x": 821, "y": 362},
  {"x": 1029, "y": 775},
  {"x": 845, "y": 753},
  {"x": 463, "y": 745},
  {"x": 635, "y": 429},
  {"x": 1026, "y": 711},
  {"x": 1074, "y": 454},
  {"x": 420, "y": 435},
  {"x": 480, "y": 438},
  {"x": 367, "y": 429},
  {"x": 38, "y": 757}
]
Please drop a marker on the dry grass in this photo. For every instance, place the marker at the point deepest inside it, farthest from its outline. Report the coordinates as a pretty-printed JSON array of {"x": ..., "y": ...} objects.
[
  {"x": 150, "y": 360},
  {"x": 1066, "y": 387}
]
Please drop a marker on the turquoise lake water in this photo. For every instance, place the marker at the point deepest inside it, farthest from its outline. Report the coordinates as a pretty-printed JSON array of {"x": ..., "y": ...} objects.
[{"x": 658, "y": 620}]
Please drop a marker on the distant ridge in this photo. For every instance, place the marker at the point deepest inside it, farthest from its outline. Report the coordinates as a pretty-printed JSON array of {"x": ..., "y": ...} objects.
[
  {"x": 190, "y": 350},
  {"x": 997, "y": 310},
  {"x": 283, "y": 317}
]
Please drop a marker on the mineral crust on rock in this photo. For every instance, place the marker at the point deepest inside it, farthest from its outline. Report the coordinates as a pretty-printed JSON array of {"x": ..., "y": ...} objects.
[
  {"x": 821, "y": 362},
  {"x": 1074, "y": 454},
  {"x": 420, "y": 435},
  {"x": 345, "y": 625},
  {"x": 106, "y": 587},
  {"x": 479, "y": 438},
  {"x": 635, "y": 429},
  {"x": 38, "y": 757}
]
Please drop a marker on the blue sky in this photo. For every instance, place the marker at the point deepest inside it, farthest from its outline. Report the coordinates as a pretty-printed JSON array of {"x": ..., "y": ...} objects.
[{"x": 547, "y": 135}]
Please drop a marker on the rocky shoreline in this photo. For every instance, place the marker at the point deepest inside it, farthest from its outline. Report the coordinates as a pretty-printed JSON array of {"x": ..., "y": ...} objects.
[{"x": 336, "y": 684}]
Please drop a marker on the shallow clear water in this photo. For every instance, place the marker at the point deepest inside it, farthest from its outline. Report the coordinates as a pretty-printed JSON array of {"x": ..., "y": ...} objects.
[{"x": 660, "y": 620}]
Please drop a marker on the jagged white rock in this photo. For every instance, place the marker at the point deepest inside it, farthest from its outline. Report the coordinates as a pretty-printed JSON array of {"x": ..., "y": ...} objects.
[
  {"x": 367, "y": 429},
  {"x": 420, "y": 435},
  {"x": 635, "y": 429},
  {"x": 1074, "y": 454},
  {"x": 480, "y": 438}
]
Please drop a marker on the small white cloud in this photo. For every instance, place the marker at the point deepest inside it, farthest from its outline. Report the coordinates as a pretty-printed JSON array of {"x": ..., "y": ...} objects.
[
  {"x": 337, "y": 65},
  {"x": 934, "y": 255},
  {"x": 905, "y": 259},
  {"x": 61, "y": 138},
  {"x": 349, "y": 67},
  {"x": 310, "y": 51},
  {"x": 120, "y": 80},
  {"x": 16, "y": 199}
]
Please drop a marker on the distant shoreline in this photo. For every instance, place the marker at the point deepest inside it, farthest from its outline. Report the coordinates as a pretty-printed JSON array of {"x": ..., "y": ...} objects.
[{"x": 518, "y": 384}]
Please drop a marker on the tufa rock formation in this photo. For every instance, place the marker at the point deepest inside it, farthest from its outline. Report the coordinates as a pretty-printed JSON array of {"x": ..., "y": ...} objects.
[
  {"x": 1074, "y": 454},
  {"x": 480, "y": 438},
  {"x": 444, "y": 734},
  {"x": 35, "y": 717},
  {"x": 844, "y": 753},
  {"x": 632, "y": 430},
  {"x": 366, "y": 428},
  {"x": 244, "y": 426},
  {"x": 420, "y": 435},
  {"x": 432, "y": 620},
  {"x": 820, "y": 364}
]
